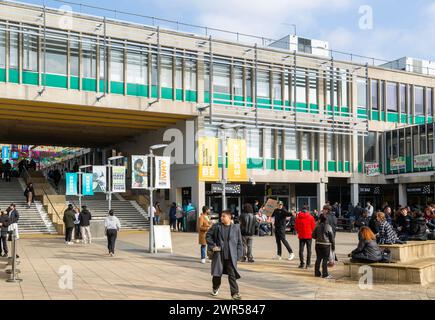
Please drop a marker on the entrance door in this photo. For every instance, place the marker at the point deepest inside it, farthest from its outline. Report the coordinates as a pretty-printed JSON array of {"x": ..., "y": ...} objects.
[
  {"x": 311, "y": 202},
  {"x": 233, "y": 203}
]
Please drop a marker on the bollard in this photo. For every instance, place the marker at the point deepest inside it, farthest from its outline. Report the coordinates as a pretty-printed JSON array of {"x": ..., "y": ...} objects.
[{"x": 14, "y": 271}]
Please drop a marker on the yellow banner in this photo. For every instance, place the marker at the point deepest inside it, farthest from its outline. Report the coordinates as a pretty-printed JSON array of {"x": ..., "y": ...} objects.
[
  {"x": 208, "y": 159},
  {"x": 237, "y": 162}
]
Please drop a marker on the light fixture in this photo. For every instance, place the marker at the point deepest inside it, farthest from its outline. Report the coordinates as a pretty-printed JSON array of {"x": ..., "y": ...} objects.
[
  {"x": 201, "y": 109},
  {"x": 152, "y": 102},
  {"x": 115, "y": 158},
  {"x": 85, "y": 166},
  {"x": 201, "y": 44},
  {"x": 98, "y": 27},
  {"x": 158, "y": 146}
]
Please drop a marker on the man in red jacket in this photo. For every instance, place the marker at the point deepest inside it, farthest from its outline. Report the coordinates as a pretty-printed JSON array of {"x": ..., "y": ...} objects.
[{"x": 304, "y": 226}]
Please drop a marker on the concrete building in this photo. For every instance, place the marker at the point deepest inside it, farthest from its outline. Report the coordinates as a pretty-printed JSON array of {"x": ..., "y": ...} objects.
[{"x": 316, "y": 127}]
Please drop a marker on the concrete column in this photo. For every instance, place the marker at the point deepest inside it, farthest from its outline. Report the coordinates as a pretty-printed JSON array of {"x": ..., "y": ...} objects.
[
  {"x": 402, "y": 195},
  {"x": 354, "y": 193},
  {"x": 321, "y": 195}
]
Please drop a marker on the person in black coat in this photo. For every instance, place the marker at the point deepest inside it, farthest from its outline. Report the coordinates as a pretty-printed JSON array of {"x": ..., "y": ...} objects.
[
  {"x": 418, "y": 227},
  {"x": 280, "y": 215},
  {"x": 29, "y": 193},
  {"x": 367, "y": 250},
  {"x": 248, "y": 224},
  {"x": 374, "y": 223},
  {"x": 4, "y": 224},
  {"x": 403, "y": 224},
  {"x": 224, "y": 240},
  {"x": 363, "y": 220}
]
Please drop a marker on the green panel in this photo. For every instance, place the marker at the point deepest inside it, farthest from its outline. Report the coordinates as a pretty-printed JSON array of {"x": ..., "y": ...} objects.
[
  {"x": 375, "y": 115},
  {"x": 419, "y": 119},
  {"x": 362, "y": 113},
  {"x": 429, "y": 119},
  {"x": 382, "y": 116},
  {"x": 207, "y": 96},
  {"x": 314, "y": 108},
  {"x": 153, "y": 91},
  {"x": 270, "y": 164},
  {"x": 264, "y": 103},
  {"x": 116, "y": 87},
  {"x": 2, "y": 75},
  {"x": 301, "y": 107},
  {"x": 409, "y": 164},
  {"x": 139, "y": 90},
  {"x": 306, "y": 165},
  {"x": 89, "y": 84},
  {"x": 393, "y": 117},
  {"x": 167, "y": 93},
  {"x": 191, "y": 96},
  {"x": 292, "y": 165},
  {"x": 102, "y": 86},
  {"x": 347, "y": 166},
  {"x": 55, "y": 80},
  {"x": 239, "y": 101},
  {"x": 360, "y": 167},
  {"x": 340, "y": 166},
  {"x": 30, "y": 77},
  {"x": 331, "y": 166},
  {"x": 280, "y": 162},
  {"x": 316, "y": 165},
  {"x": 74, "y": 83},
  {"x": 222, "y": 98},
  {"x": 403, "y": 118},
  {"x": 179, "y": 94},
  {"x": 255, "y": 163},
  {"x": 13, "y": 76}
]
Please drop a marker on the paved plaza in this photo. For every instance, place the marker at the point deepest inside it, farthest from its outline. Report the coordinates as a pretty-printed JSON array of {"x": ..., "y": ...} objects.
[{"x": 135, "y": 274}]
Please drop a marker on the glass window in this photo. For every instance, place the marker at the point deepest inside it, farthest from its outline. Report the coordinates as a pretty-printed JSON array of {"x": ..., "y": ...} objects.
[
  {"x": 166, "y": 71},
  {"x": 346, "y": 147},
  {"x": 374, "y": 94},
  {"x": 279, "y": 143},
  {"x": 429, "y": 101},
  {"x": 369, "y": 147},
  {"x": 360, "y": 149},
  {"x": 269, "y": 143},
  {"x": 221, "y": 78},
  {"x": 2, "y": 47},
  {"x": 381, "y": 95},
  {"x": 277, "y": 90},
  {"x": 401, "y": 143},
  {"x": 312, "y": 87},
  {"x": 254, "y": 143},
  {"x": 263, "y": 90},
  {"x": 430, "y": 138},
  {"x": 301, "y": 89},
  {"x": 408, "y": 138},
  {"x": 392, "y": 97},
  {"x": 103, "y": 57},
  {"x": 238, "y": 81},
  {"x": 340, "y": 146},
  {"x": 343, "y": 88},
  {"x": 154, "y": 70},
  {"x": 117, "y": 65},
  {"x": 330, "y": 146},
  {"x": 30, "y": 48},
  {"x": 13, "y": 49},
  {"x": 423, "y": 140},
  {"x": 306, "y": 145},
  {"x": 89, "y": 52},
  {"x": 394, "y": 145},
  {"x": 415, "y": 142},
  {"x": 137, "y": 66},
  {"x": 402, "y": 92},
  {"x": 178, "y": 73},
  {"x": 418, "y": 98},
  {"x": 190, "y": 75},
  {"x": 248, "y": 75},
  {"x": 362, "y": 93},
  {"x": 74, "y": 56},
  {"x": 291, "y": 145},
  {"x": 56, "y": 54},
  {"x": 206, "y": 76},
  {"x": 286, "y": 85}
]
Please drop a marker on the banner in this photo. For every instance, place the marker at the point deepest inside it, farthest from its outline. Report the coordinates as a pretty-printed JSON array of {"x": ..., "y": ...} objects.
[
  {"x": 397, "y": 163},
  {"x": 71, "y": 184},
  {"x": 270, "y": 207},
  {"x": 162, "y": 166},
  {"x": 5, "y": 153},
  {"x": 423, "y": 161},
  {"x": 87, "y": 189},
  {"x": 372, "y": 169},
  {"x": 139, "y": 167},
  {"x": 208, "y": 159},
  {"x": 15, "y": 155},
  {"x": 99, "y": 178},
  {"x": 118, "y": 179},
  {"x": 237, "y": 162}
]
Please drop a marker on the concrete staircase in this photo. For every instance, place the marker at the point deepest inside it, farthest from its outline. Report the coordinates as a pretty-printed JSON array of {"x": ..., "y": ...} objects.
[{"x": 33, "y": 220}]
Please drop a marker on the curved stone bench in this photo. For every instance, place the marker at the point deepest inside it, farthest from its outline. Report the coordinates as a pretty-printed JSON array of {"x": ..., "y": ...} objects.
[{"x": 411, "y": 251}]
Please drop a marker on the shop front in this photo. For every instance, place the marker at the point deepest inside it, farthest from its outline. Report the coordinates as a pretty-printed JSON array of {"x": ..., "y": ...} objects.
[
  {"x": 373, "y": 194},
  {"x": 214, "y": 197},
  {"x": 420, "y": 195}
]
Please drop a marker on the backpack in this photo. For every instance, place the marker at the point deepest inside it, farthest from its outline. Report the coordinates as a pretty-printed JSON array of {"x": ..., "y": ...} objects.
[{"x": 386, "y": 256}]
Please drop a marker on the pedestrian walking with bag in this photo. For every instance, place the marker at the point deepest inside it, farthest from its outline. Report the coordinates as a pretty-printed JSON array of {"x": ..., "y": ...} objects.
[
  {"x": 112, "y": 227},
  {"x": 325, "y": 242}
]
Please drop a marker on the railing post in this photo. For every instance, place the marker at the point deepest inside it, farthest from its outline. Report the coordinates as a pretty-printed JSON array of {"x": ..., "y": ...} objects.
[{"x": 14, "y": 271}]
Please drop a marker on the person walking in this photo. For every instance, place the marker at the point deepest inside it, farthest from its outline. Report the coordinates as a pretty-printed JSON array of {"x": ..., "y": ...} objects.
[
  {"x": 304, "y": 226},
  {"x": 280, "y": 215},
  {"x": 112, "y": 226},
  {"x": 224, "y": 239},
  {"x": 172, "y": 216},
  {"x": 203, "y": 226},
  {"x": 85, "y": 217},
  {"x": 248, "y": 223},
  {"x": 14, "y": 217},
  {"x": 4, "y": 224},
  {"x": 29, "y": 193},
  {"x": 69, "y": 219},
  {"x": 7, "y": 167},
  {"x": 325, "y": 242}
]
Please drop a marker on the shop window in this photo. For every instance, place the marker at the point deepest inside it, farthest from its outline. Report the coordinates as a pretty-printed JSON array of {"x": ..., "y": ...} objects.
[
  {"x": 392, "y": 97},
  {"x": 221, "y": 78},
  {"x": 56, "y": 54},
  {"x": 137, "y": 66}
]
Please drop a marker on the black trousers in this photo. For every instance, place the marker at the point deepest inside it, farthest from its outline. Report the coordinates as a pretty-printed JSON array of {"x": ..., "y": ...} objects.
[
  {"x": 228, "y": 269},
  {"x": 77, "y": 233},
  {"x": 322, "y": 256},
  {"x": 111, "y": 239},
  {"x": 68, "y": 234},
  {"x": 302, "y": 244},
  {"x": 4, "y": 243},
  {"x": 280, "y": 237}
]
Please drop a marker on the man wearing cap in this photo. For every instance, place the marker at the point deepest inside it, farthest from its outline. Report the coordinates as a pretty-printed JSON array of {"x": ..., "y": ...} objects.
[
  {"x": 85, "y": 217},
  {"x": 280, "y": 215}
]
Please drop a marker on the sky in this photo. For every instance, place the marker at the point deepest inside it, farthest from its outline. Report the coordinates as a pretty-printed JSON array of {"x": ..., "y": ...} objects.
[{"x": 397, "y": 28}]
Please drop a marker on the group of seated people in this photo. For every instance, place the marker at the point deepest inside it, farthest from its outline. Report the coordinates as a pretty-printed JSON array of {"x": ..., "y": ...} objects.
[{"x": 383, "y": 228}]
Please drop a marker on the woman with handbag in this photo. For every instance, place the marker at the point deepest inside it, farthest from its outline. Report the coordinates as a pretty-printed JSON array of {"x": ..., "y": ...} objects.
[
  {"x": 203, "y": 226},
  {"x": 112, "y": 226}
]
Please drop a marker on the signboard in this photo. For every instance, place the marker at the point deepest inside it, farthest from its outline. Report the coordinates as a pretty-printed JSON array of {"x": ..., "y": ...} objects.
[
  {"x": 426, "y": 189},
  {"x": 372, "y": 169},
  {"x": 398, "y": 163},
  {"x": 15, "y": 155},
  {"x": 237, "y": 162},
  {"x": 208, "y": 159},
  {"x": 118, "y": 179},
  {"x": 99, "y": 178},
  {"x": 270, "y": 207},
  {"x": 162, "y": 165},
  {"x": 71, "y": 180},
  {"x": 229, "y": 188},
  {"x": 162, "y": 238},
  {"x": 372, "y": 190},
  {"x": 139, "y": 165},
  {"x": 5, "y": 153},
  {"x": 87, "y": 188},
  {"x": 423, "y": 161}
]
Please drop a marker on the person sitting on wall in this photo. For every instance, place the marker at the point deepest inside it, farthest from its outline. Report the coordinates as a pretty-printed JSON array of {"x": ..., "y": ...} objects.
[
  {"x": 386, "y": 234},
  {"x": 363, "y": 220},
  {"x": 418, "y": 227},
  {"x": 367, "y": 250},
  {"x": 403, "y": 224}
]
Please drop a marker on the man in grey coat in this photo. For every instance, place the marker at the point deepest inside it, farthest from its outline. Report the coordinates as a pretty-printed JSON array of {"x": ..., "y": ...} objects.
[{"x": 224, "y": 239}]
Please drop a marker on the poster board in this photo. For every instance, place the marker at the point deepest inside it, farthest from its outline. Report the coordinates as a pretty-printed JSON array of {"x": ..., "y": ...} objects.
[
  {"x": 270, "y": 206},
  {"x": 162, "y": 238}
]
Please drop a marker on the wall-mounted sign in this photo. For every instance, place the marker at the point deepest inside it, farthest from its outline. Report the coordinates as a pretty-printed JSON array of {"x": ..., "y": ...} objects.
[
  {"x": 208, "y": 159},
  {"x": 139, "y": 166},
  {"x": 373, "y": 190},
  {"x": 229, "y": 188},
  {"x": 398, "y": 163},
  {"x": 418, "y": 190},
  {"x": 237, "y": 162},
  {"x": 423, "y": 161},
  {"x": 372, "y": 169}
]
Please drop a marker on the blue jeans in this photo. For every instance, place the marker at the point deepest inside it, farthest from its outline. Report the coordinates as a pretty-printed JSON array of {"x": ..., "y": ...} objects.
[
  {"x": 156, "y": 220},
  {"x": 203, "y": 251}
]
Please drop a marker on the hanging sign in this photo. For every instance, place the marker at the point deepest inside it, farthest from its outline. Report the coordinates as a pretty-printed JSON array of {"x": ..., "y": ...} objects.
[
  {"x": 237, "y": 162},
  {"x": 372, "y": 169},
  {"x": 423, "y": 161},
  {"x": 87, "y": 189},
  {"x": 5, "y": 153},
  {"x": 99, "y": 178},
  {"x": 162, "y": 166},
  {"x": 208, "y": 159},
  {"x": 139, "y": 178},
  {"x": 71, "y": 184},
  {"x": 398, "y": 163},
  {"x": 118, "y": 179}
]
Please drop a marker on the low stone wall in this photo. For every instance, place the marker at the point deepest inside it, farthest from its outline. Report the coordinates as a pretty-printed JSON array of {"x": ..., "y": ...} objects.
[{"x": 412, "y": 250}]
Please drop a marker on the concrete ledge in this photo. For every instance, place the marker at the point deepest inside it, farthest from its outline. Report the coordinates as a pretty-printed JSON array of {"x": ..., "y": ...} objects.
[{"x": 411, "y": 251}]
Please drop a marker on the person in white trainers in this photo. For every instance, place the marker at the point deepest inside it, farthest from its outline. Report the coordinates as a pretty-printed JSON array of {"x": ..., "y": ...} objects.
[
  {"x": 279, "y": 215},
  {"x": 112, "y": 226},
  {"x": 85, "y": 218},
  {"x": 203, "y": 226}
]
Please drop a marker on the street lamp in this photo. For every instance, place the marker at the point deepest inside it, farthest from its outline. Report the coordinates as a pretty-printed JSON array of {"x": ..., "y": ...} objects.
[
  {"x": 151, "y": 189},
  {"x": 109, "y": 166},
  {"x": 80, "y": 173}
]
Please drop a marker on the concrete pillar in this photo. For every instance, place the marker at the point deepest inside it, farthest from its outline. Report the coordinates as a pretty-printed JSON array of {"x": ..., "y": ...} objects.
[
  {"x": 354, "y": 193},
  {"x": 403, "y": 201},
  {"x": 321, "y": 195}
]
